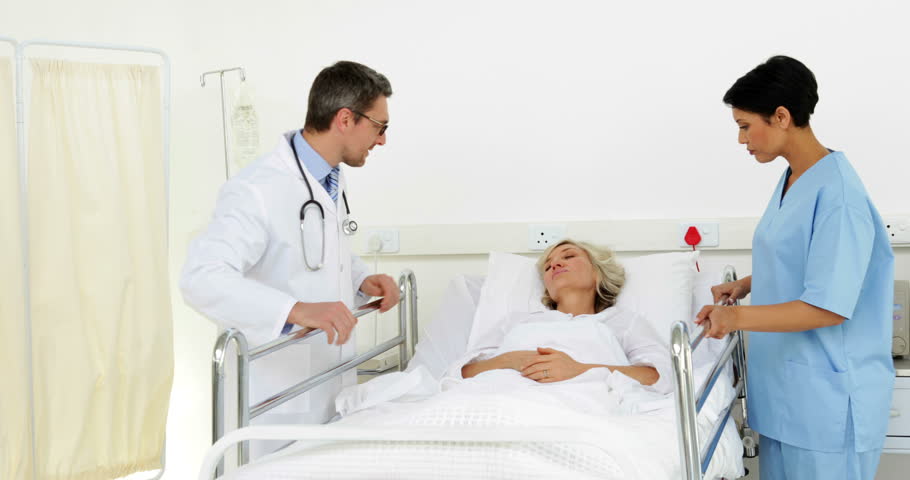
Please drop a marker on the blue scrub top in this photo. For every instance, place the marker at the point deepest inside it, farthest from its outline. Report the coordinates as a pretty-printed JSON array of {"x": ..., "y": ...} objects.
[{"x": 823, "y": 243}]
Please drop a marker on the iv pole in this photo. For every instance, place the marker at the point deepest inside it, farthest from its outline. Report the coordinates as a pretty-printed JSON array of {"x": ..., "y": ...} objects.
[{"x": 227, "y": 172}]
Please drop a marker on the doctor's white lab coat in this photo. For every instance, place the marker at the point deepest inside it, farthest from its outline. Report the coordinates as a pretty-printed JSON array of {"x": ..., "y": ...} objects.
[{"x": 246, "y": 271}]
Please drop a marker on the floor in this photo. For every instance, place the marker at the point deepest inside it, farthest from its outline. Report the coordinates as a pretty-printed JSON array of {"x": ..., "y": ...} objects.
[{"x": 751, "y": 465}]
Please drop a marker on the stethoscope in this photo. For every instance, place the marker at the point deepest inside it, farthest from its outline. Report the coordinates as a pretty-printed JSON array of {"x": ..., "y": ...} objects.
[{"x": 349, "y": 227}]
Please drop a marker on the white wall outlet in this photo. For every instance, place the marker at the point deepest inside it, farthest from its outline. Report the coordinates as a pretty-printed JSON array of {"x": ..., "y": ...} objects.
[
  {"x": 541, "y": 236},
  {"x": 709, "y": 231},
  {"x": 382, "y": 241},
  {"x": 898, "y": 229}
]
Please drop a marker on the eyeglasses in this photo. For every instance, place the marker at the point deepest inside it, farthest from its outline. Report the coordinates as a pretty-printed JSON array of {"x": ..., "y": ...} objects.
[{"x": 382, "y": 126}]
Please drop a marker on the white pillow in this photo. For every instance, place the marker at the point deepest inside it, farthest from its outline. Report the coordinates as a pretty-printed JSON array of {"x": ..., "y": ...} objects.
[
  {"x": 445, "y": 338},
  {"x": 512, "y": 285},
  {"x": 658, "y": 287}
]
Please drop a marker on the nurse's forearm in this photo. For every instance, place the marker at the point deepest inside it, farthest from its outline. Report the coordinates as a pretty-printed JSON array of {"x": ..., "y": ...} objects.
[{"x": 795, "y": 316}]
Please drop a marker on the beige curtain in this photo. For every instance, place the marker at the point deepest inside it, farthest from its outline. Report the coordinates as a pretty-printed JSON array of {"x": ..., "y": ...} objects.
[
  {"x": 15, "y": 415},
  {"x": 101, "y": 311}
]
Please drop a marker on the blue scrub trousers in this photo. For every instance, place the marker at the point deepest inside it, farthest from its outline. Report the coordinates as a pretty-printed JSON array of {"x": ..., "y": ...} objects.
[{"x": 780, "y": 461}]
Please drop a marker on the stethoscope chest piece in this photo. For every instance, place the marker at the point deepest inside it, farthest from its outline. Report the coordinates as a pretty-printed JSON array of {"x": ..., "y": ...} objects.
[{"x": 349, "y": 226}]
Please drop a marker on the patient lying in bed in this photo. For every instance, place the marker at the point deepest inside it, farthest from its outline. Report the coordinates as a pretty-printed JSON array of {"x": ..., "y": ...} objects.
[
  {"x": 582, "y": 332},
  {"x": 582, "y": 354}
]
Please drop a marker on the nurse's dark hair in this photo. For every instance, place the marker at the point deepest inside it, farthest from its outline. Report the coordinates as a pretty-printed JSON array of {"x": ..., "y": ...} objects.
[
  {"x": 343, "y": 85},
  {"x": 779, "y": 82}
]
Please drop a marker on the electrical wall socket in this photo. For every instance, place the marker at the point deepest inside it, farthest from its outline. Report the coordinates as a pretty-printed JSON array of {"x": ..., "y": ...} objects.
[
  {"x": 898, "y": 229},
  {"x": 709, "y": 231},
  {"x": 541, "y": 236},
  {"x": 382, "y": 241}
]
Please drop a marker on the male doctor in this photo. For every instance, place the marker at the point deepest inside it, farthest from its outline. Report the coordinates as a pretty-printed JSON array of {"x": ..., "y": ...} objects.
[{"x": 268, "y": 264}]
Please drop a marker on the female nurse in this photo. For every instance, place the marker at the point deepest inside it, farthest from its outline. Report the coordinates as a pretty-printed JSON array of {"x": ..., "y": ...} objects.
[{"x": 820, "y": 368}]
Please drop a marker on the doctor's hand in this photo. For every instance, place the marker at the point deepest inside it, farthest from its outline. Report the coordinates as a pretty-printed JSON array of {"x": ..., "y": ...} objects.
[
  {"x": 717, "y": 320},
  {"x": 733, "y": 291},
  {"x": 334, "y": 318},
  {"x": 553, "y": 366},
  {"x": 384, "y": 286}
]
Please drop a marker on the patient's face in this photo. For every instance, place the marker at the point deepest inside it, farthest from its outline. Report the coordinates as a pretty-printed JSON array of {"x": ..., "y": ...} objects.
[{"x": 568, "y": 267}]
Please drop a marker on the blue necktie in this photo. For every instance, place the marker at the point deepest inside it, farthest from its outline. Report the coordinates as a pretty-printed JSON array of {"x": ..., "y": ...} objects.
[{"x": 331, "y": 184}]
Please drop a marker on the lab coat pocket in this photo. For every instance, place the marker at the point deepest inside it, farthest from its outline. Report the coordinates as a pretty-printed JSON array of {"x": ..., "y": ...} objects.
[{"x": 814, "y": 402}]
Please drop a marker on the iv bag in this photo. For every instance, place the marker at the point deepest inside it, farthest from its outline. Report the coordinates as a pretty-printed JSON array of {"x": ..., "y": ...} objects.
[{"x": 244, "y": 129}]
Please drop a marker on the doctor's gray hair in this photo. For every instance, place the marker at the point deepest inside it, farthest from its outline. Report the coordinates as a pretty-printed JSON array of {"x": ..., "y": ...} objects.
[
  {"x": 611, "y": 276},
  {"x": 343, "y": 85}
]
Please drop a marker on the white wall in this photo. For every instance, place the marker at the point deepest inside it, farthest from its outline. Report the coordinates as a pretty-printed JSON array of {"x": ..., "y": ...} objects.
[{"x": 507, "y": 111}]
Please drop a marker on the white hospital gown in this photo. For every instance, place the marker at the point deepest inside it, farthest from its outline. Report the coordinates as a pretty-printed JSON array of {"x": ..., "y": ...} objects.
[{"x": 612, "y": 337}]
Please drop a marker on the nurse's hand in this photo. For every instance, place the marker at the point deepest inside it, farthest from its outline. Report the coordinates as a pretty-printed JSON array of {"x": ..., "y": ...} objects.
[
  {"x": 333, "y": 318},
  {"x": 720, "y": 320},
  {"x": 733, "y": 291},
  {"x": 384, "y": 286}
]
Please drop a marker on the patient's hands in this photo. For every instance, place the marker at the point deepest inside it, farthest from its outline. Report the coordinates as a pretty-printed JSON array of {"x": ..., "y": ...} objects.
[
  {"x": 554, "y": 366},
  {"x": 518, "y": 359},
  {"x": 510, "y": 360},
  {"x": 549, "y": 365},
  {"x": 545, "y": 365}
]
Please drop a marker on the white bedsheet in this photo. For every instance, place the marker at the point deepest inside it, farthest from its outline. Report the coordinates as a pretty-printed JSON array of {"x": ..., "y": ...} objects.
[{"x": 636, "y": 432}]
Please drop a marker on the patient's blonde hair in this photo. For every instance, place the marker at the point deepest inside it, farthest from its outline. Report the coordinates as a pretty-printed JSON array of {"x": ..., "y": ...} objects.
[{"x": 610, "y": 274}]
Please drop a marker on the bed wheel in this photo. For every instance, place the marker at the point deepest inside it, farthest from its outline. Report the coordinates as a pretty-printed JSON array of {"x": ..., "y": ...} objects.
[{"x": 750, "y": 446}]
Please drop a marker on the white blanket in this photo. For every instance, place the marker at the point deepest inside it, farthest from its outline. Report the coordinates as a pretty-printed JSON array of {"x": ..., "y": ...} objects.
[
  {"x": 634, "y": 425},
  {"x": 636, "y": 432}
]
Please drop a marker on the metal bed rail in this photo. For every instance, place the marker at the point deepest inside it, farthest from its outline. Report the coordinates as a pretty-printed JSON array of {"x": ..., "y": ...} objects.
[
  {"x": 346, "y": 433},
  {"x": 696, "y": 457},
  {"x": 407, "y": 285}
]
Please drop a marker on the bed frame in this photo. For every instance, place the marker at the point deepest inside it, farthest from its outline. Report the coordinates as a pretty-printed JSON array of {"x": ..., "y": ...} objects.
[
  {"x": 694, "y": 456},
  {"x": 407, "y": 283}
]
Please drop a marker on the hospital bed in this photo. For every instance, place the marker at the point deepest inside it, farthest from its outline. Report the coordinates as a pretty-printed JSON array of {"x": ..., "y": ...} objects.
[{"x": 698, "y": 439}]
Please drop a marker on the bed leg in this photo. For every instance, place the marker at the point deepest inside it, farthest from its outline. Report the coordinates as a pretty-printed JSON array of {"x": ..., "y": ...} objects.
[{"x": 750, "y": 446}]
